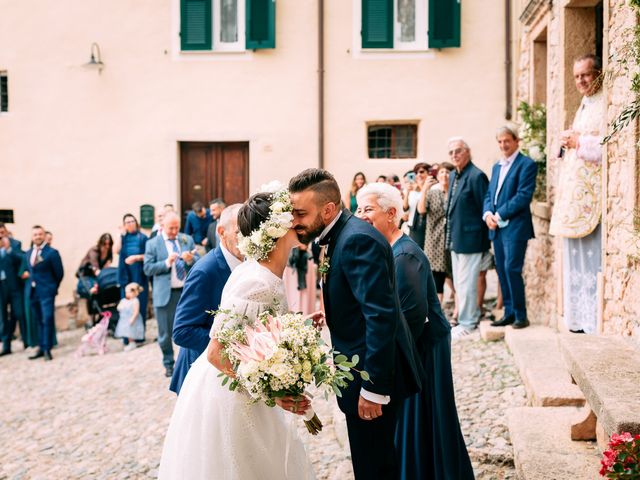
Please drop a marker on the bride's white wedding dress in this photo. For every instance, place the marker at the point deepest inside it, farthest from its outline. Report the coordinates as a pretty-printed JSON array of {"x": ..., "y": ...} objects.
[{"x": 216, "y": 434}]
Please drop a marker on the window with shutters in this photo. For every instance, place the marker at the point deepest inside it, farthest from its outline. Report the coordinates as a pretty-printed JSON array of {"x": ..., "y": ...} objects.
[
  {"x": 409, "y": 25},
  {"x": 4, "y": 92},
  {"x": 392, "y": 141},
  {"x": 227, "y": 25}
]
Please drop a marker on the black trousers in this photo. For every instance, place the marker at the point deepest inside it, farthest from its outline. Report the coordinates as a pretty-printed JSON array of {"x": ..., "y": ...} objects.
[
  {"x": 373, "y": 452},
  {"x": 8, "y": 322}
]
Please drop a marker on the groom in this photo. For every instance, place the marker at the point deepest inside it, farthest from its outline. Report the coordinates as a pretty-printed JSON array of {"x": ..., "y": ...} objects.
[{"x": 363, "y": 316}]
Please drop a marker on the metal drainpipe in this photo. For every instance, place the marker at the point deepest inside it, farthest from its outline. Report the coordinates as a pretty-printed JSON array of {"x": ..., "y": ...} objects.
[
  {"x": 320, "y": 83},
  {"x": 507, "y": 61}
]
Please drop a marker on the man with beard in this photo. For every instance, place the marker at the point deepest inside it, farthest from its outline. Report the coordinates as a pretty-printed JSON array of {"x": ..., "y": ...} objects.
[{"x": 364, "y": 318}]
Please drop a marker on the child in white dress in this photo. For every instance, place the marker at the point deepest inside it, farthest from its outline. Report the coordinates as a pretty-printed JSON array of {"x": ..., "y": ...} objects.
[{"x": 130, "y": 324}]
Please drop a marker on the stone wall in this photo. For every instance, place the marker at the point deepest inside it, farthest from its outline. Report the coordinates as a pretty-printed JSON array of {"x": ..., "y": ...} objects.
[
  {"x": 540, "y": 264},
  {"x": 621, "y": 309},
  {"x": 621, "y": 275}
]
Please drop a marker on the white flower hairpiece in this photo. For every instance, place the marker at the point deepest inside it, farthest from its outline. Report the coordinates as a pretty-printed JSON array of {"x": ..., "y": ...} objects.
[{"x": 262, "y": 241}]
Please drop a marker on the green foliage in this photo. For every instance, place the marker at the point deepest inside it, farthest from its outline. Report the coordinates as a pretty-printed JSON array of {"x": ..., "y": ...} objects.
[
  {"x": 625, "y": 63},
  {"x": 533, "y": 137}
]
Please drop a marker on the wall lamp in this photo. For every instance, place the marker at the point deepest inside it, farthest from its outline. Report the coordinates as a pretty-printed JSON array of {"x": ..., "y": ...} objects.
[{"x": 96, "y": 60}]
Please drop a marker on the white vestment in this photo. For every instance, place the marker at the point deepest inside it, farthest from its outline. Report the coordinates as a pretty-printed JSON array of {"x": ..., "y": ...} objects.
[{"x": 576, "y": 215}]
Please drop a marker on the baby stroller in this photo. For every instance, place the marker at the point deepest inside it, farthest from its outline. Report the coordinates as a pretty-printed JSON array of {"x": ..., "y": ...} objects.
[
  {"x": 106, "y": 298},
  {"x": 96, "y": 337}
]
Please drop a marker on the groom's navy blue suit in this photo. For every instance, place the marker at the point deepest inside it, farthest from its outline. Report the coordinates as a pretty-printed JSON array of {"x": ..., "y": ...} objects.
[
  {"x": 364, "y": 318},
  {"x": 202, "y": 291}
]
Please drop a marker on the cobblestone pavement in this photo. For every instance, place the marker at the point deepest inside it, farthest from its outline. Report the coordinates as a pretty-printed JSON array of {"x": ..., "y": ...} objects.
[{"x": 104, "y": 417}]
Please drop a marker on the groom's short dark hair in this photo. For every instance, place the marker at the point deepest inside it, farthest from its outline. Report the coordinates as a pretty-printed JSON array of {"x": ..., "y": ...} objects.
[{"x": 321, "y": 182}]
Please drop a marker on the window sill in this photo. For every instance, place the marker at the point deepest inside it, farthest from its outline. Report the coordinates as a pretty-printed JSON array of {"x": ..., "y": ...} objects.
[
  {"x": 211, "y": 55},
  {"x": 390, "y": 53}
]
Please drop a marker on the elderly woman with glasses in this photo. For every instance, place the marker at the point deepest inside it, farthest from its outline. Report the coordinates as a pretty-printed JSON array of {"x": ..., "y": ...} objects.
[{"x": 428, "y": 437}]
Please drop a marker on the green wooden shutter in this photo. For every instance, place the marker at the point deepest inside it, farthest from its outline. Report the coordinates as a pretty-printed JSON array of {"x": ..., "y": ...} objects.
[
  {"x": 444, "y": 23},
  {"x": 377, "y": 24},
  {"x": 195, "y": 24},
  {"x": 261, "y": 24}
]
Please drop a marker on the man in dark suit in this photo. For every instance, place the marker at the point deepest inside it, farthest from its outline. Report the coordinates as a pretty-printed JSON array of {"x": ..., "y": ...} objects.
[
  {"x": 168, "y": 258},
  {"x": 197, "y": 223},
  {"x": 11, "y": 258},
  {"x": 364, "y": 318},
  {"x": 216, "y": 208},
  {"x": 466, "y": 233},
  {"x": 508, "y": 216},
  {"x": 202, "y": 291},
  {"x": 45, "y": 274}
]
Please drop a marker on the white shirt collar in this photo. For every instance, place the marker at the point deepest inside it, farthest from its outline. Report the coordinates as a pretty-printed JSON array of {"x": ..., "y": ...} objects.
[
  {"x": 510, "y": 159},
  {"x": 231, "y": 260},
  {"x": 166, "y": 239},
  {"x": 328, "y": 228}
]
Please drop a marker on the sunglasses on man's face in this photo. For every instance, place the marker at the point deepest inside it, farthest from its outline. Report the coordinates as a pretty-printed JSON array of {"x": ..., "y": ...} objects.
[{"x": 457, "y": 151}]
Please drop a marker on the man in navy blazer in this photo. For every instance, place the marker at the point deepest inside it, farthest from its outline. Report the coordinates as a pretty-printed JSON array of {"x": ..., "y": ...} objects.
[
  {"x": 45, "y": 274},
  {"x": 202, "y": 292},
  {"x": 508, "y": 216},
  {"x": 364, "y": 318},
  {"x": 168, "y": 258},
  {"x": 11, "y": 258},
  {"x": 466, "y": 233}
]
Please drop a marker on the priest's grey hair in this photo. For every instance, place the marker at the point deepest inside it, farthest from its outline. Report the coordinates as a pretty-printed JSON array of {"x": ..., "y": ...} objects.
[{"x": 386, "y": 195}]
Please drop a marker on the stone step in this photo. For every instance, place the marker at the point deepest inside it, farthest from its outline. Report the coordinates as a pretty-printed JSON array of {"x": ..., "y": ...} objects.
[
  {"x": 542, "y": 445},
  {"x": 607, "y": 370},
  {"x": 489, "y": 333},
  {"x": 542, "y": 368}
]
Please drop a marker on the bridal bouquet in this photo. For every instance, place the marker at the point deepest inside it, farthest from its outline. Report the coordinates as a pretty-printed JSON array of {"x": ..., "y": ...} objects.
[{"x": 278, "y": 356}]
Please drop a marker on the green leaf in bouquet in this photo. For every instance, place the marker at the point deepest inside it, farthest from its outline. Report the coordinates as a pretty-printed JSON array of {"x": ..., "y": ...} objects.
[
  {"x": 337, "y": 391},
  {"x": 349, "y": 375},
  {"x": 340, "y": 359},
  {"x": 224, "y": 382},
  {"x": 365, "y": 376},
  {"x": 618, "y": 468},
  {"x": 233, "y": 385},
  {"x": 343, "y": 367},
  {"x": 355, "y": 359},
  {"x": 308, "y": 322},
  {"x": 221, "y": 374}
]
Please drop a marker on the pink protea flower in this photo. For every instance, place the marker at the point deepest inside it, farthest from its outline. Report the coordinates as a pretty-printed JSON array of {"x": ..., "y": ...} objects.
[{"x": 262, "y": 341}]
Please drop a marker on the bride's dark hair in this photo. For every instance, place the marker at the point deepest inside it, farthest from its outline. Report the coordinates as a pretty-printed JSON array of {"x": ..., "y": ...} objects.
[{"x": 254, "y": 211}]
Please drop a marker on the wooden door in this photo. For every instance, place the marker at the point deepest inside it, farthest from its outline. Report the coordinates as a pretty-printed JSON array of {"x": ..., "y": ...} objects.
[{"x": 213, "y": 170}]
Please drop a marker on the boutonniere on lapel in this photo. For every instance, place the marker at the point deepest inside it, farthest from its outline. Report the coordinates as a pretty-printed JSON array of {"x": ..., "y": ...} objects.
[
  {"x": 324, "y": 267},
  {"x": 39, "y": 258},
  {"x": 182, "y": 239}
]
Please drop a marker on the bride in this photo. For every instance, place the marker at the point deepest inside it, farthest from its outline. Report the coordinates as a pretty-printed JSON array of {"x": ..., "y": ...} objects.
[{"x": 218, "y": 434}]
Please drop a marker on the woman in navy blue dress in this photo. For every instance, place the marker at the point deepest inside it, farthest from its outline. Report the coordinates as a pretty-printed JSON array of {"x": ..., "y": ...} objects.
[
  {"x": 132, "y": 245},
  {"x": 429, "y": 441}
]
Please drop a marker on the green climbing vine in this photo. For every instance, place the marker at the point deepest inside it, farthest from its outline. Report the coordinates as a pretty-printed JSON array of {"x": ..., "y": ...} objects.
[{"x": 533, "y": 137}]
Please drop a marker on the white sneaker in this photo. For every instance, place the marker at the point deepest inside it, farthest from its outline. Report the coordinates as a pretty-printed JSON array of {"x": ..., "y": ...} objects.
[
  {"x": 130, "y": 347},
  {"x": 459, "y": 332}
]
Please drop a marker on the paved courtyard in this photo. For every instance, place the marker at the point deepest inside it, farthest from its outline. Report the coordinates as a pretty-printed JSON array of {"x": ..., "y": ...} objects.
[{"x": 104, "y": 417}]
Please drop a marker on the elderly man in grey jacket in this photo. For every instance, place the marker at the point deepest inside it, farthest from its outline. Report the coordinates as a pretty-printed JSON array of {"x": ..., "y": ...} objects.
[{"x": 168, "y": 258}]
